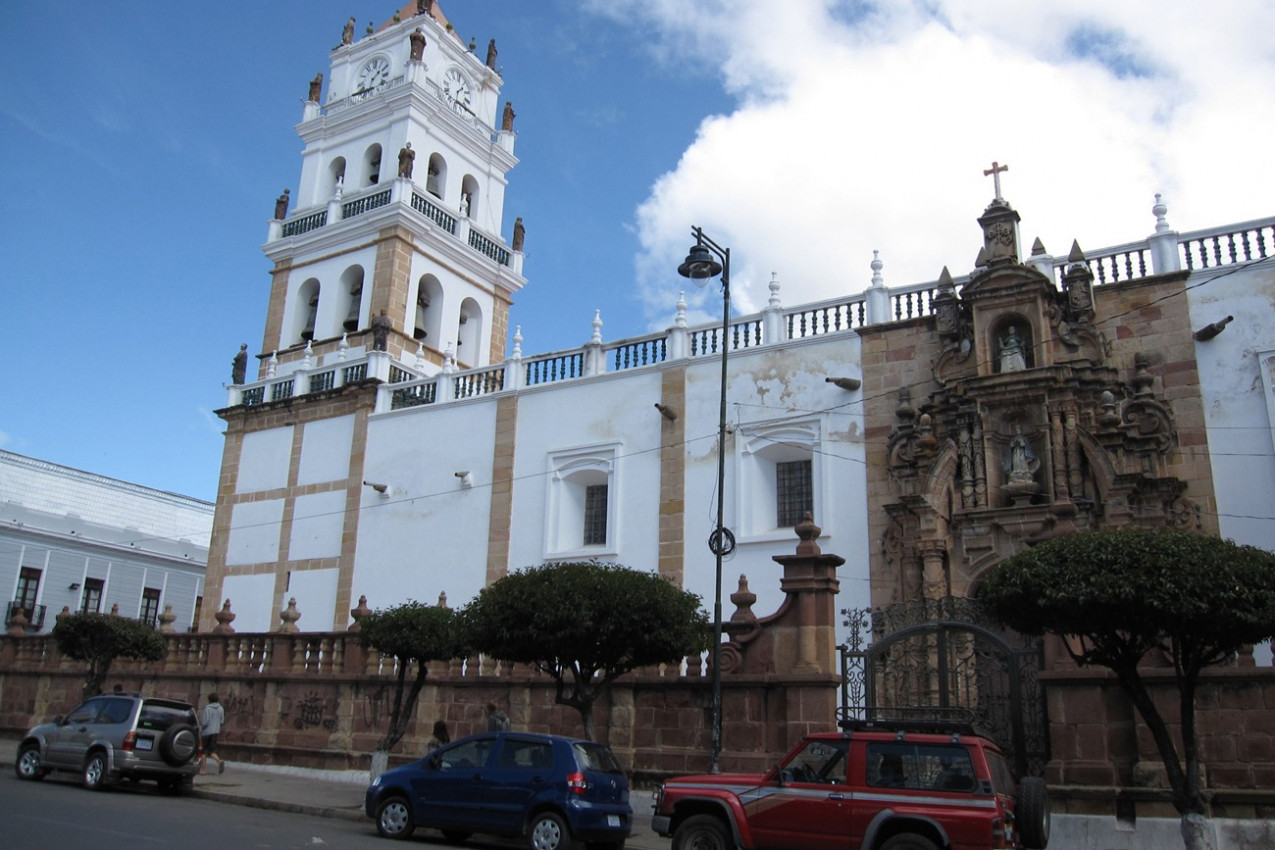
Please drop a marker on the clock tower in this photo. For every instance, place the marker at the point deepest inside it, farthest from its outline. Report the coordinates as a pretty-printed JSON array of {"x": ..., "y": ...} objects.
[
  {"x": 398, "y": 211},
  {"x": 389, "y": 269}
]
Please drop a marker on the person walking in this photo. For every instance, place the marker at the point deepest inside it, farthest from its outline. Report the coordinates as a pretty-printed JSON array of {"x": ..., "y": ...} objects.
[
  {"x": 497, "y": 720},
  {"x": 214, "y": 715}
]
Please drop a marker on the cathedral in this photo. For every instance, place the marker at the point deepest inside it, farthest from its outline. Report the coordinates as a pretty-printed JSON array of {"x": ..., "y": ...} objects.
[{"x": 389, "y": 444}]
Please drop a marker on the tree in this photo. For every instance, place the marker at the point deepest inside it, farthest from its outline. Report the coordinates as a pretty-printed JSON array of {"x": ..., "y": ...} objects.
[
  {"x": 1119, "y": 594},
  {"x": 101, "y": 638},
  {"x": 414, "y": 634},
  {"x": 586, "y": 622}
]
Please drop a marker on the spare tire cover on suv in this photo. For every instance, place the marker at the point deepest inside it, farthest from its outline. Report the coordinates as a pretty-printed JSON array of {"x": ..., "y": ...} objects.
[{"x": 179, "y": 745}]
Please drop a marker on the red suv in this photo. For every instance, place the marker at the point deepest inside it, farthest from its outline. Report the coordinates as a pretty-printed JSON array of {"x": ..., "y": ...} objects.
[{"x": 877, "y": 786}]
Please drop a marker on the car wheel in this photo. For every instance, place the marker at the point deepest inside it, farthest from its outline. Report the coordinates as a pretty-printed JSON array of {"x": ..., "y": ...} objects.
[
  {"x": 28, "y": 764},
  {"x": 178, "y": 745},
  {"x": 1031, "y": 812},
  {"x": 909, "y": 841},
  {"x": 702, "y": 832},
  {"x": 548, "y": 832},
  {"x": 456, "y": 836},
  {"x": 95, "y": 767},
  {"x": 394, "y": 818}
]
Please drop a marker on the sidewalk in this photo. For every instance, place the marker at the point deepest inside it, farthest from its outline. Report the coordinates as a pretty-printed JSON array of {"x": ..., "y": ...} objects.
[{"x": 328, "y": 793}]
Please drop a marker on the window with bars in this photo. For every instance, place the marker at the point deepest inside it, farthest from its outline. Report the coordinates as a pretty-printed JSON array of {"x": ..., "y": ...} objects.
[
  {"x": 794, "y": 492},
  {"x": 595, "y": 515},
  {"x": 92, "y": 601},
  {"x": 150, "y": 605}
]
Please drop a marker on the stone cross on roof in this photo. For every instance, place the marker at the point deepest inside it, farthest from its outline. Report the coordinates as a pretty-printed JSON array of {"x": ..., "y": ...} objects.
[{"x": 995, "y": 171}]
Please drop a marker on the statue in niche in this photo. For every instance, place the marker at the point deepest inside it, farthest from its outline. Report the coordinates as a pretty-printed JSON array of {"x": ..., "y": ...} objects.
[
  {"x": 1013, "y": 354},
  {"x": 239, "y": 366},
  {"x": 406, "y": 160},
  {"x": 381, "y": 332},
  {"x": 417, "y": 38},
  {"x": 1020, "y": 462},
  {"x": 316, "y": 86},
  {"x": 464, "y": 204}
]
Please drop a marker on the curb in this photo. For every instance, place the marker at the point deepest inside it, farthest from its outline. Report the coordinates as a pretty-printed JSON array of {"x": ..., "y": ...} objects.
[{"x": 278, "y": 806}]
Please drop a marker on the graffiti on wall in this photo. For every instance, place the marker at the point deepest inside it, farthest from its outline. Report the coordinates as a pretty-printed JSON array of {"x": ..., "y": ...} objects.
[{"x": 309, "y": 712}]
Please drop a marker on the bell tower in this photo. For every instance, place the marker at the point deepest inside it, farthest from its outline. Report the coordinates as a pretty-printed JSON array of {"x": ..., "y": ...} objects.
[
  {"x": 393, "y": 236},
  {"x": 389, "y": 265}
]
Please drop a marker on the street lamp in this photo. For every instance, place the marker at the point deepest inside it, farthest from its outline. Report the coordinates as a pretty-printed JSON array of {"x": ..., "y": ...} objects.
[{"x": 700, "y": 266}]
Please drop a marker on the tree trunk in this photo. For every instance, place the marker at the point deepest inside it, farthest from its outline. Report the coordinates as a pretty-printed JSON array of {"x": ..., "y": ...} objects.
[{"x": 1197, "y": 832}]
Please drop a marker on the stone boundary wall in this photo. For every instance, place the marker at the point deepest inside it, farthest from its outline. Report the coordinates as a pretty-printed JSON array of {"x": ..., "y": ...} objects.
[
  {"x": 320, "y": 700},
  {"x": 1105, "y": 762}
]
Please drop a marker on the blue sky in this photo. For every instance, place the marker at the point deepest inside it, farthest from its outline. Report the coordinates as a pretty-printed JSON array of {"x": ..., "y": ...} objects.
[{"x": 145, "y": 142}]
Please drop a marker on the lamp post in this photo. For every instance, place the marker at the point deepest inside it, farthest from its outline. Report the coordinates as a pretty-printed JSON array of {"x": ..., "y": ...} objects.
[{"x": 700, "y": 266}]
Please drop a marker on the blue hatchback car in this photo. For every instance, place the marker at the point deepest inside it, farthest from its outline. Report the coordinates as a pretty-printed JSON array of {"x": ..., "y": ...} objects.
[{"x": 551, "y": 791}]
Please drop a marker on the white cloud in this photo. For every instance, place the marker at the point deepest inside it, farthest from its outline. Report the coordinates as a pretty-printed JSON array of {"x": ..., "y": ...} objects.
[{"x": 862, "y": 128}]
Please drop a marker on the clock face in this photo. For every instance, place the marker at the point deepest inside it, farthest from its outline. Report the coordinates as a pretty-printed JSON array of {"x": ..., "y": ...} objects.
[
  {"x": 375, "y": 74},
  {"x": 456, "y": 87}
]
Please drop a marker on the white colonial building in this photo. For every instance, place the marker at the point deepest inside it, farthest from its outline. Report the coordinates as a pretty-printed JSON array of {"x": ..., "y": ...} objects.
[
  {"x": 389, "y": 446},
  {"x": 83, "y": 542}
]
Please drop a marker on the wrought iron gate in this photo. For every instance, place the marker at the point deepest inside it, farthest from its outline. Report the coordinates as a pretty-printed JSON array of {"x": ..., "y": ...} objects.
[{"x": 945, "y": 654}]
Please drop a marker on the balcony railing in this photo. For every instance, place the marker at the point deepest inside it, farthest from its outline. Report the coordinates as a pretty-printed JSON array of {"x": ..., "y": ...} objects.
[
  {"x": 33, "y": 613},
  {"x": 1218, "y": 247}
]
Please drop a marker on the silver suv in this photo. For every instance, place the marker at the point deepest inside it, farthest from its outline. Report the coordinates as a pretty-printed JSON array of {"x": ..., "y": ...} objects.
[{"x": 117, "y": 736}]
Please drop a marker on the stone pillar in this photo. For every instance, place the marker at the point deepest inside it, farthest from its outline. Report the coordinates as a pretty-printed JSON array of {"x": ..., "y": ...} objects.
[
  {"x": 810, "y": 582},
  {"x": 932, "y": 558}
]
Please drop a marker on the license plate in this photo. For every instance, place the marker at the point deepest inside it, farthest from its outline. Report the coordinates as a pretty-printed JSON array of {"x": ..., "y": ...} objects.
[
  {"x": 145, "y": 744},
  {"x": 613, "y": 821}
]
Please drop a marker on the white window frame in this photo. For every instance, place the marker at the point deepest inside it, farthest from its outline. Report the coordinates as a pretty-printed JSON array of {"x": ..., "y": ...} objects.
[
  {"x": 570, "y": 472},
  {"x": 761, "y": 446}
]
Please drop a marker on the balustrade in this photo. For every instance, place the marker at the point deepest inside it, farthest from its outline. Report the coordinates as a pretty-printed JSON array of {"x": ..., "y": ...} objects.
[
  {"x": 561, "y": 367},
  {"x": 473, "y": 384}
]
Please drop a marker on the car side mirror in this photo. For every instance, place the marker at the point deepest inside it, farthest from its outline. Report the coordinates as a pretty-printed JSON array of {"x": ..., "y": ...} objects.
[{"x": 57, "y": 720}]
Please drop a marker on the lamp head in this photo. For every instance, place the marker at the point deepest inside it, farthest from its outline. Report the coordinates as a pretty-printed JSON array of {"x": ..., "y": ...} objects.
[{"x": 700, "y": 265}]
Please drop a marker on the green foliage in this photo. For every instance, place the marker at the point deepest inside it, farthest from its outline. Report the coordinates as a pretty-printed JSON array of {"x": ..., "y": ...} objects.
[
  {"x": 1135, "y": 588},
  {"x": 101, "y": 638},
  {"x": 587, "y": 621},
  {"x": 1119, "y": 594},
  {"x": 412, "y": 632}
]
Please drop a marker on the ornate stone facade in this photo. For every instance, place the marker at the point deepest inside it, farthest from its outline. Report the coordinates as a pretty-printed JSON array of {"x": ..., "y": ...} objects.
[{"x": 1021, "y": 409}]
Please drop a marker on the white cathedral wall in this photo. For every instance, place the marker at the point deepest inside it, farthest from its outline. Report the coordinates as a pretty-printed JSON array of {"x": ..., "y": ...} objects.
[
  {"x": 612, "y": 416},
  {"x": 773, "y": 388},
  {"x": 253, "y": 602},
  {"x": 1236, "y": 404},
  {"x": 427, "y": 533},
  {"x": 1237, "y": 387}
]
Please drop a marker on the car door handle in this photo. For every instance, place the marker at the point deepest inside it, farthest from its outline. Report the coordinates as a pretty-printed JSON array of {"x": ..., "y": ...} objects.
[{"x": 836, "y": 796}]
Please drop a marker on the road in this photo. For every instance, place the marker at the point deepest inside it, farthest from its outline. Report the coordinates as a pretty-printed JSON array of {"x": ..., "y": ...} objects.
[{"x": 58, "y": 813}]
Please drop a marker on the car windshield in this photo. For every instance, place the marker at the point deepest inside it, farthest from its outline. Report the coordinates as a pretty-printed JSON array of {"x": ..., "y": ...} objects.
[{"x": 596, "y": 757}]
